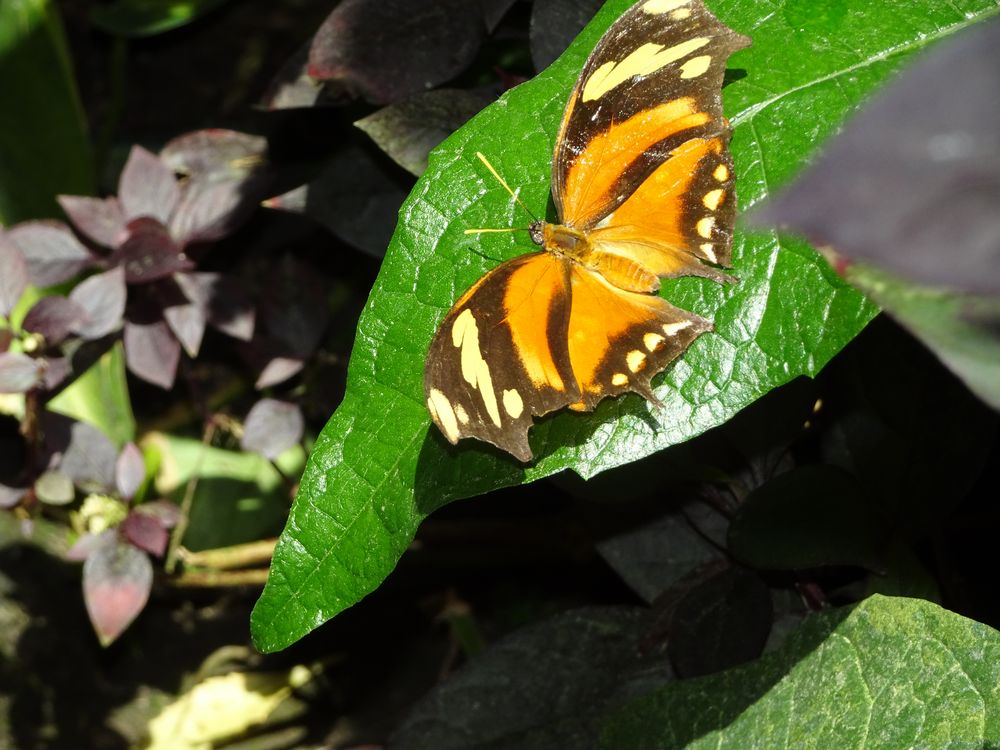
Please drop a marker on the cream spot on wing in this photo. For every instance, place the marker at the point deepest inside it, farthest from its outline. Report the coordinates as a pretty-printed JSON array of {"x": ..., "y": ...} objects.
[
  {"x": 713, "y": 198},
  {"x": 655, "y": 7},
  {"x": 704, "y": 227},
  {"x": 635, "y": 360},
  {"x": 512, "y": 403},
  {"x": 652, "y": 341},
  {"x": 709, "y": 249},
  {"x": 696, "y": 66},
  {"x": 721, "y": 173},
  {"x": 680, "y": 14},
  {"x": 444, "y": 415},
  {"x": 475, "y": 370},
  {"x": 619, "y": 379},
  {"x": 672, "y": 329},
  {"x": 462, "y": 414},
  {"x": 645, "y": 60}
]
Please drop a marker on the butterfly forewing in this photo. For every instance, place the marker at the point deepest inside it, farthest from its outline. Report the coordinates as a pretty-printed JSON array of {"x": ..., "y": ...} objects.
[
  {"x": 501, "y": 356},
  {"x": 652, "y": 83}
]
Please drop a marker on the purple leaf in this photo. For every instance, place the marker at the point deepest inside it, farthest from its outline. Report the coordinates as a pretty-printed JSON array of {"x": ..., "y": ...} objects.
[
  {"x": 130, "y": 471},
  {"x": 295, "y": 308},
  {"x": 166, "y": 513},
  {"x": 272, "y": 427},
  {"x": 409, "y": 129},
  {"x": 225, "y": 301},
  {"x": 19, "y": 372},
  {"x": 13, "y": 275},
  {"x": 102, "y": 297},
  {"x": 147, "y": 187},
  {"x": 54, "y": 317},
  {"x": 149, "y": 253},
  {"x": 53, "y": 254},
  {"x": 293, "y": 87},
  {"x": 83, "y": 546},
  {"x": 554, "y": 24},
  {"x": 98, "y": 219},
  {"x": 187, "y": 321},
  {"x": 6, "y": 338},
  {"x": 278, "y": 369},
  {"x": 388, "y": 49},
  {"x": 80, "y": 451},
  {"x": 912, "y": 183},
  {"x": 225, "y": 179},
  {"x": 57, "y": 369},
  {"x": 152, "y": 352},
  {"x": 146, "y": 533},
  {"x": 11, "y": 496},
  {"x": 117, "y": 579},
  {"x": 54, "y": 488}
]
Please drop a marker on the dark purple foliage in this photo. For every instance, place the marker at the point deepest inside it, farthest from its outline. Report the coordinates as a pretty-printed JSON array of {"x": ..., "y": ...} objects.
[
  {"x": 53, "y": 254},
  {"x": 147, "y": 187},
  {"x": 145, "y": 532},
  {"x": 272, "y": 427},
  {"x": 54, "y": 318},
  {"x": 149, "y": 252},
  {"x": 13, "y": 275},
  {"x": 117, "y": 579},
  {"x": 19, "y": 373},
  {"x": 152, "y": 352},
  {"x": 80, "y": 451},
  {"x": 130, "y": 471},
  {"x": 102, "y": 297},
  {"x": 100, "y": 220}
]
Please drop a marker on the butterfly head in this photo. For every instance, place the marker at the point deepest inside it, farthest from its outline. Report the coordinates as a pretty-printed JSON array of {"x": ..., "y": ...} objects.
[{"x": 537, "y": 232}]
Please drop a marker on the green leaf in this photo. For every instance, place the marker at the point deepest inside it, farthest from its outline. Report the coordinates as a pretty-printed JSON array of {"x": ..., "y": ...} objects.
[
  {"x": 43, "y": 141},
  {"x": 377, "y": 469},
  {"x": 137, "y": 18},
  {"x": 891, "y": 673},
  {"x": 100, "y": 397}
]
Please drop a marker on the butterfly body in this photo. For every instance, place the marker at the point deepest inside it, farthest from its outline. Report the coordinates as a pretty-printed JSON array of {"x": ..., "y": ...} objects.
[{"x": 643, "y": 187}]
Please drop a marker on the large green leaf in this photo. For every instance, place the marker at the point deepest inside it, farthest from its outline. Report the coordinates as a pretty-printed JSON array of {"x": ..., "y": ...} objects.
[
  {"x": 43, "y": 143},
  {"x": 378, "y": 468},
  {"x": 891, "y": 673}
]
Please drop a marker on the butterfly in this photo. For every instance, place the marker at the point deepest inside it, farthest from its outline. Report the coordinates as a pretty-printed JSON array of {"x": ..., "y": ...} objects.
[{"x": 642, "y": 182}]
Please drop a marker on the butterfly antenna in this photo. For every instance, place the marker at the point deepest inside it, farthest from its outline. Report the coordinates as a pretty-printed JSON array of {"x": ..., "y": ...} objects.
[{"x": 503, "y": 182}]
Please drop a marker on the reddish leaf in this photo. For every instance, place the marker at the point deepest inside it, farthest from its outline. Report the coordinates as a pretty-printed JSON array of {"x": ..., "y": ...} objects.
[
  {"x": 13, "y": 275},
  {"x": 146, "y": 533},
  {"x": 187, "y": 321},
  {"x": 117, "y": 579},
  {"x": 130, "y": 471},
  {"x": 102, "y": 297},
  {"x": 166, "y": 513},
  {"x": 19, "y": 372},
  {"x": 80, "y": 451},
  {"x": 53, "y": 254},
  {"x": 99, "y": 219},
  {"x": 152, "y": 352},
  {"x": 272, "y": 427},
  {"x": 54, "y": 317},
  {"x": 147, "y": 187},
  {"x": 6, "y": 338},
  {"x": 224, "y": 300},
  {"x": 385, "y": 50},
  {"x": 150, "y": 253}
]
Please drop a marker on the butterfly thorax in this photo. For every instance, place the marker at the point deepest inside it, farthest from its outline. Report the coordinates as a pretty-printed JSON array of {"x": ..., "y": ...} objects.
[{"x": 561, "y": 240}]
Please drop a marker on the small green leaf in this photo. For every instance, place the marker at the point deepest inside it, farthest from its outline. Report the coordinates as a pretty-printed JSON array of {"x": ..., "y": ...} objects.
[
  {"x": 43, "y": 140},
  {"x": 378, "y": 469},
  {"x": 137, "y": 18},
  {"x": 891, "y": 673}
]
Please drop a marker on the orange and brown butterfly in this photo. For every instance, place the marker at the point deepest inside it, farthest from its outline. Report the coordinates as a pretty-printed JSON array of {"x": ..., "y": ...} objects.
[{"x": 642, "y": 181}]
